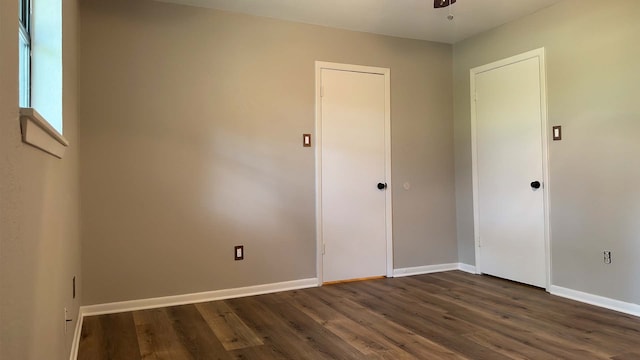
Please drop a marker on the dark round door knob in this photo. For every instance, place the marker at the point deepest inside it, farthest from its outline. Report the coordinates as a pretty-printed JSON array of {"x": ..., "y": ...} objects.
[
  {"x": 382, "y": 186},
  {"x": 535, "y": 185}
]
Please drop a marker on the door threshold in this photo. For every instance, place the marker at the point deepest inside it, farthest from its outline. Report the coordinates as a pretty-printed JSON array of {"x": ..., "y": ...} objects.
[{"x": 353, "y": 280}]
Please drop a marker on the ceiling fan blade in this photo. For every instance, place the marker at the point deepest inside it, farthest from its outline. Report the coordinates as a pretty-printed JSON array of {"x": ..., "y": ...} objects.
[{"x": 442, "y": 3}]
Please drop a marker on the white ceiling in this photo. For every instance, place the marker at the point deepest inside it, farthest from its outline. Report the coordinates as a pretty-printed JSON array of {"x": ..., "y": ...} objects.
[{"x": 414, "y": 19}]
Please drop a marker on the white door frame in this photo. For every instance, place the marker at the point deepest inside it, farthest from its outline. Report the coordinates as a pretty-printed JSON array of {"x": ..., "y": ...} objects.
[
  {"x": 387, "y": 150},
  {"x": 540, "y": 54}
]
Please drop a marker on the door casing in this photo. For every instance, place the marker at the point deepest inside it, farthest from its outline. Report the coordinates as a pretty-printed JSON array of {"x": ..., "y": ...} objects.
[
  {"x": 319, "y": 65},
  {"x": 540, "y": 54}
]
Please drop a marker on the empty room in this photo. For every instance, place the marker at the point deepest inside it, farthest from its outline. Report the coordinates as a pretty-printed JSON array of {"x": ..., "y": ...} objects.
[{"x": 305, "y": 179}]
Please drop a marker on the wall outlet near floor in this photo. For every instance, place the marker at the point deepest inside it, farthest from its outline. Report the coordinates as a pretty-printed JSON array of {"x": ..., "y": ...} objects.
[
  {"x": 607, "y": 257},
  {"x": 239, "y": 252}
]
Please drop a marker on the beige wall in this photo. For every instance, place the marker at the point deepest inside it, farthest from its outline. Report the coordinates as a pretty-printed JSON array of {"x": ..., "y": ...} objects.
[
  {"x": 593, "y": 85},
  {"x": 191, "y": 139},
  {"x": 39, "y": 227}
]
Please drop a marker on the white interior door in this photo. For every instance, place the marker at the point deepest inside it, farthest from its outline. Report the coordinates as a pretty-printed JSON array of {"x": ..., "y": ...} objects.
[
  {"x": 509, "y": 161},
  {"x": 353, "y": 209}
]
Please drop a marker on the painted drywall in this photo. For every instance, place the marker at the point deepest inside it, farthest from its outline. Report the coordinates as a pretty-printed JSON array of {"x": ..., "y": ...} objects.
[
  {"x": 593, "y": 85},
  {"x": 39, "y": 212},
  {"x": 191, "y": 144}
]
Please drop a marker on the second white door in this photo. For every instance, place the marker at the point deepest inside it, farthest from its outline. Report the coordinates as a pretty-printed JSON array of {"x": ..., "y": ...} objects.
[
  {"x": 353, "y": 208},
  {"x": 509, "y": 171}
]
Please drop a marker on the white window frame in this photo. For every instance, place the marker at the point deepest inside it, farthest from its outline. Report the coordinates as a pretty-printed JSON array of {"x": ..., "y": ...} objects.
[
  {"x": 24, "y": 36},
  {"x": 40, "y": 40}
]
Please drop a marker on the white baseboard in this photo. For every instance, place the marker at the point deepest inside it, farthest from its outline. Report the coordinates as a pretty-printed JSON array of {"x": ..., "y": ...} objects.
[
  {"x": 471, "y": 269},
  {"x": 133, "y": 305},
  {"x": 421, "y": 270},
  {"x": 601, "y": 301},
  {"x": 429, "y": 269},
  {"x": 158, "y": 302},
  {"x": 76, "y": 336}
]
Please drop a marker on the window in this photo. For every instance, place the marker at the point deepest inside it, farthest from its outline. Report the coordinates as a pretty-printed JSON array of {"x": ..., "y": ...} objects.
[
  {"x": 24, "y": 41},
  {"x": 40, "y": 74}
]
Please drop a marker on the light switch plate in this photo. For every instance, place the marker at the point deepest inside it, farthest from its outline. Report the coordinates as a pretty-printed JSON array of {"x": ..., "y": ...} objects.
[
  {"x": 239, "y": 252},
  {"x": 306, "y": 140},
  {"x": 557, "y": 133}
]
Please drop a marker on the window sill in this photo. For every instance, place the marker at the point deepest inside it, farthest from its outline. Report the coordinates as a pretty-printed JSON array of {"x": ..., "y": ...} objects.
[{"x": 37, "y": 132}]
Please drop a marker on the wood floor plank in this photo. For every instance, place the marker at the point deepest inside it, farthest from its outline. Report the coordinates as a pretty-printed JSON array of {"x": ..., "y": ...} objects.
[
  {"x": 418, "y": 308},
  {"x": 450, "y": 315},
  {"x": 323, "y": 341},
  {"x": 92, "y": 338},
  {"x": 568, "y": 325},
  {"x": 418, "y": 346},
  {"x": 274, "y": 330},
  {"x": 496, "y": 318},
  {"x": 266, "y": 352},
  {"x": 628, "y": 356},
  {"x": 110, "y": 336},
  {"x": 156, "y": 336},
  {"x": 520, "y": 292},
  {"x": 195, "y": 334},
  {"x": 369, "y": 342},
  {"x": 260, "y": 324},
  {"x": 410, "y": 319},
  {"x": 590, "y": 322},
  {"x": 228, "y": 327},
  {"x": 508, "y": 346},
  {"x": 563, "y": 310},
  {"x": 520, "y": 327}
]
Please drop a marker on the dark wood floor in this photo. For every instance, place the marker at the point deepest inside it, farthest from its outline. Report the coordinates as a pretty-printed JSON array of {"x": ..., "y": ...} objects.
[{"x": 450, "y": 315}]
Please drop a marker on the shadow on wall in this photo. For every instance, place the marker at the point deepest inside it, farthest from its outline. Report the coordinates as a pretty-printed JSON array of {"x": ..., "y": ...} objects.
[{"x": 33, "y": 261}]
